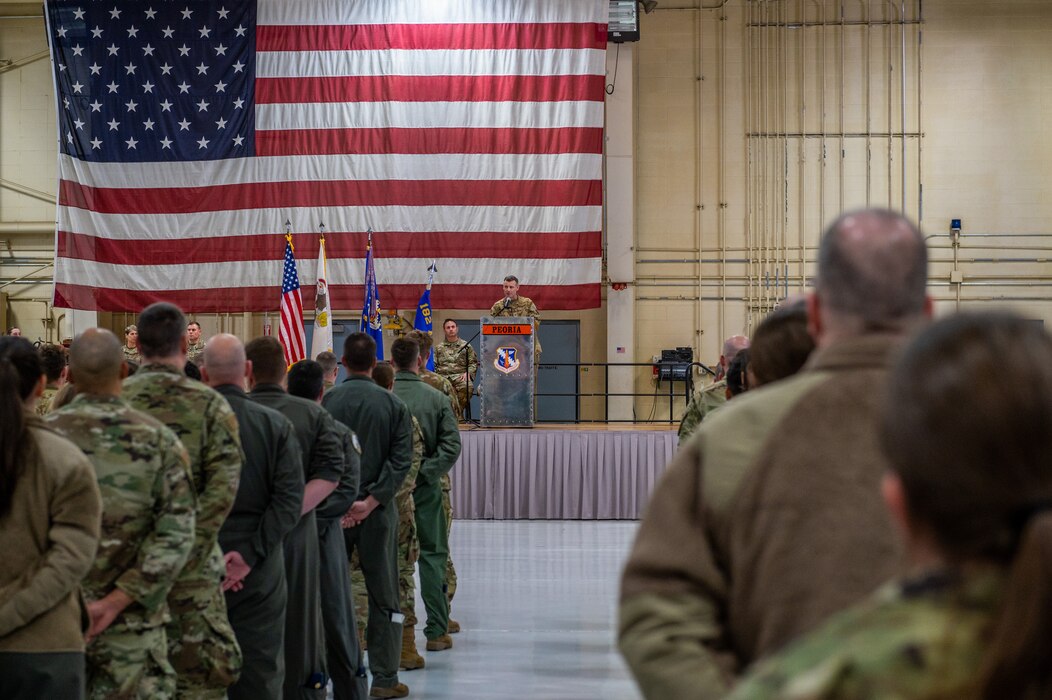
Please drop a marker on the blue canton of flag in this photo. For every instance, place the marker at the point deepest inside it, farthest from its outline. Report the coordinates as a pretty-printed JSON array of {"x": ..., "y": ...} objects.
[
  {"x": 423, "y": 321},
  {"x": 142, "y": 82},
  {"x": 372, "y": 322}
]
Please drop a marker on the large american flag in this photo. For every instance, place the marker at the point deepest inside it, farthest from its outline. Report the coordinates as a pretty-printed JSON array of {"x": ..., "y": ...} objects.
[{"x": 468, "y": 132}]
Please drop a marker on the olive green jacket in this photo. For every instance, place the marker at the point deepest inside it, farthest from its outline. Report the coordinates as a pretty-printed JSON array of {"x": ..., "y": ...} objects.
[{"x": 441, "y": 435}]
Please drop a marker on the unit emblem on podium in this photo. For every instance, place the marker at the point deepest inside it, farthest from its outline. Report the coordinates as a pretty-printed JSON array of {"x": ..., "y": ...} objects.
[{"x": 507, "y": 359}]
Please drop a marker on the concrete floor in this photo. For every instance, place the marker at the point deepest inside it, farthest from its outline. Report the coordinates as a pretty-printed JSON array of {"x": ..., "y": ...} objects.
[{"x": 537, "y": 602}]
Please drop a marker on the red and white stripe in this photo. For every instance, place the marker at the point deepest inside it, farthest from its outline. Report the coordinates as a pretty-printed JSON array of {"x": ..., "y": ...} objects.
[
  {"x": 475, "y": 138},
  {"x": 291, "y": 333}
]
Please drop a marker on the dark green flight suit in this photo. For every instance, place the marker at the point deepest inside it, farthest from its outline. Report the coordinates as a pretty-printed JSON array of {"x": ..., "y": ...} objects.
[
  {"x": 441, "y": 448},
  {"x": 344, "y": 656},
  {"x": 322, "y": 449},
  {"x": 266, "y": 509},
  {"x": 384, "y": 427}
]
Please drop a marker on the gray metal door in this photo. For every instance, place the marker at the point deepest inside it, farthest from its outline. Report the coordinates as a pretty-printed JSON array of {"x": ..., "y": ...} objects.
[{"x": 560, "y": 342}]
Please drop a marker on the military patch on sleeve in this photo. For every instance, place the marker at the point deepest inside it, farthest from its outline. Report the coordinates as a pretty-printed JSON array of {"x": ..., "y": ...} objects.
[{"x": 357, "y": 445}]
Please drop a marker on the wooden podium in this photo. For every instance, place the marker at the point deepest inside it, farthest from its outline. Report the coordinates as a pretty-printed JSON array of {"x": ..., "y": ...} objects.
[{"x": 506, "y": 365}]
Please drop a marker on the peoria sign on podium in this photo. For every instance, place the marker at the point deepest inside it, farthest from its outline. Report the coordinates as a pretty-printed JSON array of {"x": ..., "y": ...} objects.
[{"x": 507, "y": 372}]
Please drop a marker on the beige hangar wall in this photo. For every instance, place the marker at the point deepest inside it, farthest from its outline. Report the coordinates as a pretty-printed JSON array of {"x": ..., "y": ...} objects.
[{"x": 739, "y": 160}]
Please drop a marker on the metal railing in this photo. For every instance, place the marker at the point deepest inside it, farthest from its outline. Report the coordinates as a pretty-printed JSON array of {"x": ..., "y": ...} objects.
[{"x": 686, "y": 389}]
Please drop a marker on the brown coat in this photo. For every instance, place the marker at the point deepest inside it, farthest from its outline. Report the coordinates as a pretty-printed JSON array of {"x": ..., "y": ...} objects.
[
  {"x": 48, "y": 543},
  {"x": 767, "y": 521}
]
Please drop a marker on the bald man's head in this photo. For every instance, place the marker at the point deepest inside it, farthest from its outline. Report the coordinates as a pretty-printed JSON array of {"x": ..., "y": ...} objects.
[
  {"x": 731, "y": 347},
  {"x": 872, "y": 272},
  {"x": 224, "y": 361},
  {"x": 95, "y": 362}
]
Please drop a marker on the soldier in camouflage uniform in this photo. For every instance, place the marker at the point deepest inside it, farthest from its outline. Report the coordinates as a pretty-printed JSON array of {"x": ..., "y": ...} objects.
[
  {"x": 514, "y": 305},
  {"x": 437, "y": 381},
  {"x": 147, "y": 525},
  {"x": 714, "y": 395},
  {"x": 131, "y": 350},
  {"x": 456, "y": 361},
  {"x": 53, "y": 358},
  {"x": 195, "y": 347},
  {"x": 201, "y": 643}
]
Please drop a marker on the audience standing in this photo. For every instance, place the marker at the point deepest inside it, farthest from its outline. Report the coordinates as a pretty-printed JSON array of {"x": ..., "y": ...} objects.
[
  {"x": 769, "y": 519},
  {"x": 967, "y": 431}
]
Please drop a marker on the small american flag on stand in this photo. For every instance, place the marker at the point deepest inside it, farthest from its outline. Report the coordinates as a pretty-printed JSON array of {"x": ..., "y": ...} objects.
[{"x": 291, "y": 334}]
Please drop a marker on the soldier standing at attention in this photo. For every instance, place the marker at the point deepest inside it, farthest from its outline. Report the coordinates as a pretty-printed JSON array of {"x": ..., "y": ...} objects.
[
  {"x": 371, "y": 525},
  {"x": 196, "y": 346},
  {"x": 266, "y": 509},
  {"x": 441, "y": 449},
  {"x": 408, "y": 545},
  {"x": 342, "y": 650},
  {"x": 53, "y": 357},
  {"x": 437, "y": 381},
  {"x": 201, "y": 643},
  {"x": 456, "y": 361},
  {"x": 322, "y": 448},
  {"x": 514, "y": 305},
  {"x": 330, "y": 366},
  {"x": 714, "y": 395},
  {"x": 147, "y": 524},
  {"x": 131, "y": 350}
]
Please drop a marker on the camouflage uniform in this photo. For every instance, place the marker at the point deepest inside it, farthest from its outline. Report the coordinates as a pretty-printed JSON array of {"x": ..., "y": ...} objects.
[
  {"x": 919, "y": 638},
  {"x": 44, "y": 404},
  {"x": 441, "y": 450},
  {"x": 523, "y": 306},
  {"x": 194, "y": 351},
  {"x": 437, "y": 381},
  {"x": 131, "y": 354},
  {"x": 705, "y": 401},
  {"x": 449, "y": 362},
  {"x": 201, "y": 643},
  {"x": 147, "y": 532},
  {"x": 408, "y": 545}
]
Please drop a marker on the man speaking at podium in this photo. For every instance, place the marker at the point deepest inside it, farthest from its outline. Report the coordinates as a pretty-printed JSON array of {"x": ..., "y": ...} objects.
[{"x": 514, "y": 305}]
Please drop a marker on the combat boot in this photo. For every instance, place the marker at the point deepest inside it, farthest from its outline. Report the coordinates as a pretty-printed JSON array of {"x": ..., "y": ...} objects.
[
  {"x": 411, "y": 658},
  {"x": 440, "y": 643},
  {"x": 398, "y": 690},
  {"x": 453, "y": 627}
]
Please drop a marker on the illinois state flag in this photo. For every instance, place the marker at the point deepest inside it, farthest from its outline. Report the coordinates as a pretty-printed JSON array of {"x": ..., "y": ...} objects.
[
  {"x": 468, "y": 131},
  {"x": 321, "y": 338}
]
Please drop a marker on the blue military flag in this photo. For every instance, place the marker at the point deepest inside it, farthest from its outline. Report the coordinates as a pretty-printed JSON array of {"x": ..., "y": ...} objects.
[
  {"x": 372, "y": 322},
  {"x": 423, "y": 321}
]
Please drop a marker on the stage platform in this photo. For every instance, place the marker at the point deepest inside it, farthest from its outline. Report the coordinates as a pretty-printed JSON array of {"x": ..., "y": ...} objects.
[{"x": 555, "y": 471}]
